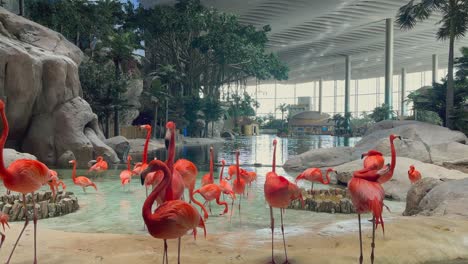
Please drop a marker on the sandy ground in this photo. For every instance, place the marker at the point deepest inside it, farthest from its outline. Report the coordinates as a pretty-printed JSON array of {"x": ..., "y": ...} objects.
[{"x": 407, "y": 240}]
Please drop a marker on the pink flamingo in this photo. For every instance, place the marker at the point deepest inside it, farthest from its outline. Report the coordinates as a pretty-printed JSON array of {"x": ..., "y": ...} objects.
[
  {"x": 99, "y": 166},
  {"x": 315, "y": 175},
  {"x": 225, "y": 186},
  {"x": 374, "y": 160},
  {"x": 413, "y": 174},
  {"x": 211, "y": 192},
  {"x": 81, "y": 181},
  {"x": 141, "y": 166},
  {"x": 126, "y": 175},
  {"x": 208, "y": 178},
  {"x": 54, "y": 183},
  {"x": 387, "y": 176},
  {"x": 367, "y": 195},
  {"x": 278, "y": 193},
  {"x": 173, "y": 218},
  {"x": 23, "y": 176},
  {"x": 238, "y": 184}
]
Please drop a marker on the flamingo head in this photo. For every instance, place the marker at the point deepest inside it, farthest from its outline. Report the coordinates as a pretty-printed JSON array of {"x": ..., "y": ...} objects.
[
  {"x": 364, "y": 154},
  {"x": 4, "y": 220},
  {"x": 299, "y": 177},
  {"x": 393, "y": 136},
  {"x": 72, "y": 162},
  {"x": 331, "y": 170},
  {"x": 146, "y": 127},
  {"x": 223, "y": 162},
  {"x": 237, "y": 153},
  {"x": 129, "y": 158},
  {"x": 211, "y": 149},
  {"x": 171, "y": 125},
  {"x": 411, "y": 168},
  {"x": 275, "y": 142},
  {"x": 99, "y": 158}
]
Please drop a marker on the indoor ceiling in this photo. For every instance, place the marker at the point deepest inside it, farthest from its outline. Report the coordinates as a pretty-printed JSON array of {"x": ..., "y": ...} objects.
[{"x": 313, "y": 36}]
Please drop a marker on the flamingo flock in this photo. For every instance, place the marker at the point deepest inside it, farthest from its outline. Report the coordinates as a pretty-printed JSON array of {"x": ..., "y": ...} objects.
[{"x": 168, "y": 215}]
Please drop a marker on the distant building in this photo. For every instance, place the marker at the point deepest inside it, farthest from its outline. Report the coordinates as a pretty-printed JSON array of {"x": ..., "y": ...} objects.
[
  {"x": 304, "y": 103},
  {"x": 311, "y": 123},
  {"x": 248, "y": 127}
]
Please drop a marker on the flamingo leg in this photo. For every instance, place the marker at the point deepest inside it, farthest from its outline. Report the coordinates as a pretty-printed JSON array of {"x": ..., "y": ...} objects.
[
  {"x": 35, "y": 227},
  {"x": 26, "y": 222},
  {"x": 3, "y": 239},
  {"x": 232, "y": 206},
  {"x": 178, "y": 252},
  {"x": 373, "y": 240},
  {"x": 165, "y": 258},
  {"x": 272, "y": 225},
  {"x": 360, "y": 239},
  {"x": 284, "y": 240}
]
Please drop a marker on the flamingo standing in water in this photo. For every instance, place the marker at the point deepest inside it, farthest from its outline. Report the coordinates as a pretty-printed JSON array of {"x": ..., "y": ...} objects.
[
  {"x": 211, "y": 192},
  {"x": 208, "y": 178},
  {"x": 126, "y": 175},
  {"x": 315, "y": 175},
  {"x": 374, "y": 160},
  {"x": 367, "y": 195},
  {"x": 225, "y": 186},
  {"x": 99, "y": 166},
  {"x": 81, "y": 181},
  {"x": 413, "y": 174},
  {"x": 278, "y": 193},
  {"x": 4, "y": 221},
  {"x": 23, "y": 176},
  {"x": 238, "y": 184},
  {"x": 54, "y": 183},
  {"x": 141, "y": 166},
  {"x": 173, "y": 218}
]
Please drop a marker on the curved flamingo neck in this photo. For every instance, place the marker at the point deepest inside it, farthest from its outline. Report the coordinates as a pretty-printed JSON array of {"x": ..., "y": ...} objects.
[
  {"x": 4, "y": 173},
  {"x": 197, "y": 203},
  {"x": 145, "y": 150},
  {"x": 393, "y": 151},
  {"x": 155, "y": 166},
  {"x": 211, "y": 166},
  {"x": 171, "y": 152},
  {"x": 327, "y": 175},
  {"x": 221, "y": 174},
  {"x": 128, "y": 164},
  {"x": 237, "y": 168},
  {"x": 274, "y": 158},
  {"x": 74, "y": 172}
]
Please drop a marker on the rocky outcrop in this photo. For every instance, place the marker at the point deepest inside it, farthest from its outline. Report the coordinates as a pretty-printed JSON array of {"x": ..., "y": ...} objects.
[
  {"x": 417, "y": 192},
  {"x": 10, "y": 155},
  {"x": 120, "y": 145},
  {"x": 421, "y": 141},
  {"x": 39, "y": 77},
  {"x": 325, "y": 201},
  {"x": 447, "y": 198},
  {"x": 397, "y": 188}
]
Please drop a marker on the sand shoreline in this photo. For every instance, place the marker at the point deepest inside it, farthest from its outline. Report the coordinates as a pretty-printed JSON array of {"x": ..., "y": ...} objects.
[{"x": 407, "y": 240}]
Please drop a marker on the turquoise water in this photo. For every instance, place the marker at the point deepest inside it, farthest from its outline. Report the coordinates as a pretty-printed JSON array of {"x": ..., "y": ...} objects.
[{"x": 113, "y": 209}]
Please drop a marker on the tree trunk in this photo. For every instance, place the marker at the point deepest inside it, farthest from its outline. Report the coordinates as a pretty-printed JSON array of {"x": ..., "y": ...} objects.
[
  {"x": 450, "y": 93},
  {"x": 21, "y": 7},
  {"x": 116, "y": 122},
  {"x": 107, "y": 125},
  {"x": 155, "y": 120},
  {"x": 206, "y": 128},
  {"x": 212, "y": 128},
  {"x": 77, "y": 40}
]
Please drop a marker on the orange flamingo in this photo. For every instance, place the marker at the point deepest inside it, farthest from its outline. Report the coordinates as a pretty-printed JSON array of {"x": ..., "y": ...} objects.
[
  {"x": 374, "y": 160},
  {"x": 278, "y": 193},
  {"x": 388, "y": 175},
  {"x": 99, "y": 166},
  {"x": 211, "y": 192},
  {"x": 173, "y": 218},
  {"x": 367, "y": 195},
  {"x": 225, "y": 186},
  {"x": 141, "y": 166},
  {"x": 315, "y": 175},
  {"x": 23, "y": 176},
  {"x": 54, "y": 183},
  {"x": 4, "y": 221},
  {"x": 81, "y": 180},
  {"x": 126, "y": 175},
  {"x": 238, "y": 184},
  {"x": 413, "y": 174},
  {"x": 208, "y": 178}
]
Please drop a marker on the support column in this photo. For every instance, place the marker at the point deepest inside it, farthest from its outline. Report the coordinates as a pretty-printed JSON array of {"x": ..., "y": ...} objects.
[
  {"x": 388, "y": 62},
  {"x": 347, "y": 88},
  {"x": 335, "y": 93},
  {"x": 275, "y": 99},
  {"x": 403, "y": 91},
  {"x": 435, "y": 68},
  {"x": 295, "y": 101},
  {"x": 320, "y": 96}
]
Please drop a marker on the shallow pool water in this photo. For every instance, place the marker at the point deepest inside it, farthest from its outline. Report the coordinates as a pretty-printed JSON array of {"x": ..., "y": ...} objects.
[{"x": 113, "y": 209}]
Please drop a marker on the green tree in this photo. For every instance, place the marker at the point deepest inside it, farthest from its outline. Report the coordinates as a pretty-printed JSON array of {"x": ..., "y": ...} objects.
[
  {"x": 213, "y": 111},
  {"x": 454, "y": 24},
  {"x": 381, "y": 113},
  {"x": 283, "y": 109}
]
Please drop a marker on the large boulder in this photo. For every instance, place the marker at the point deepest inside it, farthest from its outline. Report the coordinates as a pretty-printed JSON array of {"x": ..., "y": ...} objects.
[
  {"x": 448, "y": 198},
  {"x": 417, "y": 192},
  {"x": 420, "y": 141},
  {"x": 398, "y": 187},
  {"x": 100, "y": 148},
  {"x": 10, "y": 155},
  {"x": 39, "y": 77},
  {"x": 120, "y": 145}
]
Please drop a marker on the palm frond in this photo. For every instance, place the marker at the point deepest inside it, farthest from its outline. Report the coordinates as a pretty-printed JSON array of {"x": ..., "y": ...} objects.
[
  {"x": 459, "y": 17},
  {"x": 409, "y": 14}
]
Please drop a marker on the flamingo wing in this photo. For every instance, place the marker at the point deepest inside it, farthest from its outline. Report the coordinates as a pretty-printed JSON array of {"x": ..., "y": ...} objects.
[{"x": 32, "y": 174}]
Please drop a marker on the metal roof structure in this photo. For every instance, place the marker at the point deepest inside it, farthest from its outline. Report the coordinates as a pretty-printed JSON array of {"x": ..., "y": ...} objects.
[{"x": 313, "y": 36}]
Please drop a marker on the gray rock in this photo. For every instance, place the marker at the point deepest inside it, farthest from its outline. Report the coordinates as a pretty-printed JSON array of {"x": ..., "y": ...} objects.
[
  {"x": 44, "y": 209},
  {"x": 100, "y": 148},
  {"x": 452, "y": 151},
  {"x": 320, "y": 158},
  {"x": 10, "y": 155},
  {"x": 6, "y": 209},
  {"x": 417, "y": 192},
  {"x": 64, "y": 158},
  {"x": 120, "y": 145},
  {"x": 448, "y": 198},
  {"x": 52, "y": 208},
  {"x": 15, "y": 209}
]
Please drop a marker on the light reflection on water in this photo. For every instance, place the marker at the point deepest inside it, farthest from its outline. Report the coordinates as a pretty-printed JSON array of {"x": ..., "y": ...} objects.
[{"x": 114, "y": 210}]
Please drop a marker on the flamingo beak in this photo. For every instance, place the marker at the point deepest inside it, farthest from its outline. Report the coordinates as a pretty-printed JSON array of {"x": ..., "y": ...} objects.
[
  {"x": 362, "y": 156},
  {"x": 399, "y": 137}
]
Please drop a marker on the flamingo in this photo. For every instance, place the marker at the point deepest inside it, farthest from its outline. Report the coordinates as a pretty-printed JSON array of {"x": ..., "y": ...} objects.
[
  {"x": 367, "y": 195},
  {"x": 23, "y": 176},
  {"x": 173, "y": 218},
  {"x": 315, "y": 175},
  {"x": 4, "y": 221},
  {"x": 374, "y": 160},
  {"x": 81, "y": 180},
  {"x": 141, "y": 166},
  {"x": 208, "y": 178},
  {"x": 413, "y": 174},
  {"x": 54, "y": 183},
  {"x": 388, "y": 175},
  {"x": 225, "y": 186},
  {"x": 278, "y": 193},
  {"x": 99, "y": 166},
  {"x": 126, "y": 175},
  {"x": 211, "y": 192},
  {"x": 238, "y": 184}
]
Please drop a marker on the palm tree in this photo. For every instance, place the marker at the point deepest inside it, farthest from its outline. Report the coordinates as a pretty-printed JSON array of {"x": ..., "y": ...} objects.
[
  {"x": 454, "y": 24},
  {"x": 283, "y": 108}
]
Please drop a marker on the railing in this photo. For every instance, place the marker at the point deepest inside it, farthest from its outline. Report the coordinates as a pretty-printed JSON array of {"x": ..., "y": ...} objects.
[{"x": 130, "y": 132}]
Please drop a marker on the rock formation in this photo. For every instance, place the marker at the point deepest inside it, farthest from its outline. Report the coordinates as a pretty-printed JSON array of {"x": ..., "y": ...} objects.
[{"x": 39, "y": 78}]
